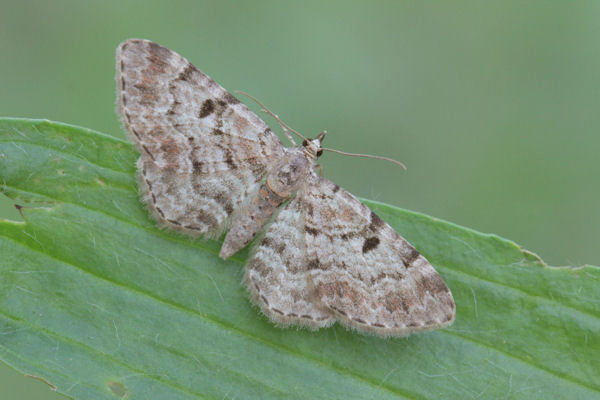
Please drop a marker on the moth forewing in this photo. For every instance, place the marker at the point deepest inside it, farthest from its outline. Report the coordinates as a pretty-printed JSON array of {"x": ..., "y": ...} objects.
[{"x": 206, "y": 161}]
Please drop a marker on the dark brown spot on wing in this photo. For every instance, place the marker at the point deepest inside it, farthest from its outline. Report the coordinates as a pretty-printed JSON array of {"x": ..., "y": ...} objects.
[
  {"x": 314, "y": 264},
  {"x": 310, "y": 209},
  {"x": 147, "y": 92},
  {"x": 144, "y": 89},
  {"x": 263, "y": 139},
  {"x": 187, "y": 72},
  {"x": 349, "y": 235},
  {"x": 395, "y": 303},
  {"x": 261, "y": 269},
  {"x": 159, "y": 55},
  {"x": 310, "y": 230},
  {"x": 397, "y": 276},
  {"x": 281, "y": 248},
  {"x": 229, "y": 161},
  {"x": 224, "y": 200},
  {"x": 434, "y": 284},
  {"x": 411, "y": 257},
  {"x": 229, "y": 98},
  {"x": 208, "y": 107},
  {"x": 267, "y": 242},
  {"x": 376, "y": 222},
  {"x": 370, "y": 243},
  {"x": 173, "y": 109},
  {"x": 207, "y": 219}
]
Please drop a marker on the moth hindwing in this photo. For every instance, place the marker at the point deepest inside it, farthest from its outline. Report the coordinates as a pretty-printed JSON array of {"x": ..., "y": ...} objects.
[{"x": 208, "y": 162}]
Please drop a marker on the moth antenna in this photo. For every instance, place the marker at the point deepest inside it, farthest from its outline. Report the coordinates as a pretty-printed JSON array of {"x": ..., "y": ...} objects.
[
  {"x": 366, "y": 156},
  {"x": 286, "y": 128}
]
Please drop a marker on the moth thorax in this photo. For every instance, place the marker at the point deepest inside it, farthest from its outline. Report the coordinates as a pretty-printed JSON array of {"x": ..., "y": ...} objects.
[{"x": 289, "y": 174}]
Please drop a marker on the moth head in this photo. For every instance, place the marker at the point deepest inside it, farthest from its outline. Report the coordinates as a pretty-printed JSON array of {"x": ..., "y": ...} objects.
[{"x": 313, "y": 146}]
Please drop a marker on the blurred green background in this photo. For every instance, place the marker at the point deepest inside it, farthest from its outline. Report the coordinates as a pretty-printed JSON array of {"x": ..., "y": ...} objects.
[{"x": 493, "y": 106}]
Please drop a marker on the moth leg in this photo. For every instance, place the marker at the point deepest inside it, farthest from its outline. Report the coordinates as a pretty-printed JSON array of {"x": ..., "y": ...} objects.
[{"x": 320, "y": 168}]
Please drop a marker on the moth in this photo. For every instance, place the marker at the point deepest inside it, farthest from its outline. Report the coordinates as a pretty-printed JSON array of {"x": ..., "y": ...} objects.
[{"x": 208, "y": 164}]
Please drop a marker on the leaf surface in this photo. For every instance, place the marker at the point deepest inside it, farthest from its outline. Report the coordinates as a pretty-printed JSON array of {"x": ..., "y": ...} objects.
[{"x": 100, "y": 303}]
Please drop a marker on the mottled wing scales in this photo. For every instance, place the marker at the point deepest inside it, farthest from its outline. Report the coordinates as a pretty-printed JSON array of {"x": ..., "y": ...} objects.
[
  {"x": 325, "y": 257},
  {"x": 364, "y": 271},
  {"x": 202, "y": 151},
  {"x": 277, "y": 274}
]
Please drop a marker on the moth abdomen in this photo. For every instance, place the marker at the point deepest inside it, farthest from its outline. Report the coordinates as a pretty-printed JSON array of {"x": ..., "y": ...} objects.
[{"x": 251, "y": 219}]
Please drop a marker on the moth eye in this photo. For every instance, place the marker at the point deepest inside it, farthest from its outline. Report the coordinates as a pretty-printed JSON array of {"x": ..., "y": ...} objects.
[
  {"x": 305, "y": 143},
  {"x": 319, "y": 152}
]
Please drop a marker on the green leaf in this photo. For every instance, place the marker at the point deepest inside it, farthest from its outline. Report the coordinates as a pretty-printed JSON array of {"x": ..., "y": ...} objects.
[{"x": 99, "y": 302}]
